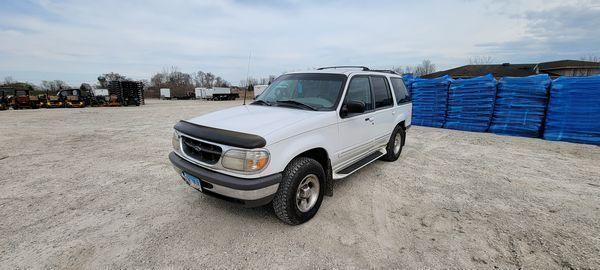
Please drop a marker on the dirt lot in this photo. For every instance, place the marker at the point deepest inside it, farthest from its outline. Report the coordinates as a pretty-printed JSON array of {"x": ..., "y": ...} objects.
[{"x": 93, "y": 188}]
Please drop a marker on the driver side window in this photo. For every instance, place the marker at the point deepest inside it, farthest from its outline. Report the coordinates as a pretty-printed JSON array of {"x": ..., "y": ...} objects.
[{"x": 360, "y": 90}]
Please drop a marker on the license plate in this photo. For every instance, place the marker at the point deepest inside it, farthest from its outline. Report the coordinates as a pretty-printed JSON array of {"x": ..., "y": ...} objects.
[{"x": 192, "y": 181}]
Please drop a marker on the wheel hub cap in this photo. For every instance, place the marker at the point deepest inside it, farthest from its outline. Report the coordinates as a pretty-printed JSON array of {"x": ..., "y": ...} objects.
[
  {"x": 397, "y": 144},
  {"x": 307, "y": 193}
]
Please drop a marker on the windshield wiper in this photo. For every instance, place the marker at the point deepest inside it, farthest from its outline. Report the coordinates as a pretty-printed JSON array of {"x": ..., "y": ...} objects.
[
  {"x": 293, "y": 102},
  {"x": 260, "y": 102}
]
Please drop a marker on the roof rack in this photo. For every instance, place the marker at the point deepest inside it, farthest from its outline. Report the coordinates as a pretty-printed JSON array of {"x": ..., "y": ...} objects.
[
  {"x": 363, "y": 68},
  {"x": 334, "y": 67},
  {"x": 385, "y": 71}
]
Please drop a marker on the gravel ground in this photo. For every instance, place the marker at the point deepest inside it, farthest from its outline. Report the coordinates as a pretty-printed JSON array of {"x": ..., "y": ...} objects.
[{"x": 93, "y": 188}]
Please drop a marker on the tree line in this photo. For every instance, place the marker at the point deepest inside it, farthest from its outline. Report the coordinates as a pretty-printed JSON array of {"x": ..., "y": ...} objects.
[
  {"x": 426, "y": 67},
  {"x": 175, "y": 79}
]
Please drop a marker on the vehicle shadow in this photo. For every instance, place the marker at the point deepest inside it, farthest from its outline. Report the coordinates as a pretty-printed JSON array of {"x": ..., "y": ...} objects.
[{"x": 261, "y": 214}]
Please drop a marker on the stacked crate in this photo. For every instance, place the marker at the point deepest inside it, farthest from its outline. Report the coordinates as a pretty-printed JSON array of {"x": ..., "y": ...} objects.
[
  {"x": 574, "y": 110},
  {"x": 521, "y": 106},
  {"x": 127, "y": 92},
  {"x": 430, "y": 97},
  {"x": 114, "y": 88},
  {"x": 471, "y": 103},
  {"x": 133, "y": 93}
]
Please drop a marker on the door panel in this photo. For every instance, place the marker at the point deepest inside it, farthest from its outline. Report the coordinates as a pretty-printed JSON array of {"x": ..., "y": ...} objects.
[
  {"x": 356, "y": 134},
  {"x": 384, "y": 108},
  {"x": 356, "y": 131}
]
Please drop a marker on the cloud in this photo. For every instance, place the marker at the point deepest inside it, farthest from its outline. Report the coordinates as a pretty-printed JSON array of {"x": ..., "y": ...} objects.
[
  {"x": 565, "y": 31},
  {"x": 137, "y": 38}
]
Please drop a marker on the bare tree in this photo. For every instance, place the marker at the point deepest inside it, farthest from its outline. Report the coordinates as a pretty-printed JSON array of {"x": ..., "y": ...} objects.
[
  {"x": 113, "y": 76},
  {"x": 199, "y": 78},
  {"x": 158, "y": 79},
  {"x": 106, "y": 78},
  {"x": 146, "y": 83},
  {"x": 426, "y": 67},
  {"x": 208, "y": 80},
  {"x": 9, "y": 80},
  {"x": 54, "y": 85},
  {"x": 220, "y": 82},
  {"x": 480, "y": 60}
]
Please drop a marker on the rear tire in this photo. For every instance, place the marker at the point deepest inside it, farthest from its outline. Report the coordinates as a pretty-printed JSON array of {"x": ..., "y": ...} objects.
[
  {"x": 394, "y": 146},
  {"x": 300, "y": 192}
]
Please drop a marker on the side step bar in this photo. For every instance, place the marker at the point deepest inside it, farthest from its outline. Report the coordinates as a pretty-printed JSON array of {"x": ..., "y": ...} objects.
[{"x": 357, "y": 165}]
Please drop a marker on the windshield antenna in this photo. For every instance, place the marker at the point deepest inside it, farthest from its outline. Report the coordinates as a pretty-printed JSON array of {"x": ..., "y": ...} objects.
[{"x": 247, "y": 77}]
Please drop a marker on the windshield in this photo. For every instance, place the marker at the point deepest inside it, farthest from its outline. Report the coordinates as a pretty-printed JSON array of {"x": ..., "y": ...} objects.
[{"x": 313, "y": 90}]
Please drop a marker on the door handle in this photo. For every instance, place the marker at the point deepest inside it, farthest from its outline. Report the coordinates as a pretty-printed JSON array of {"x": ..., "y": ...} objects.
[{"x": 370, "y": 119}]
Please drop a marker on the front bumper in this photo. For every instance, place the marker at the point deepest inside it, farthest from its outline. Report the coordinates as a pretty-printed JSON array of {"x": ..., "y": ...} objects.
[{"x": 249, "y": 192}]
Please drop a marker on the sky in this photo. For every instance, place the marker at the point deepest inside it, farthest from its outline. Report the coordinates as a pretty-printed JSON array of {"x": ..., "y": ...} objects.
[{"x": 77, "y": 40}]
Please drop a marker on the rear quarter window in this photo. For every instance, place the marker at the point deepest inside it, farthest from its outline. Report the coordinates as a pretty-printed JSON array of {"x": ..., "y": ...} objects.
[
  {"x": 400, "y": 91},
  {"x": 381, "y": 92}
]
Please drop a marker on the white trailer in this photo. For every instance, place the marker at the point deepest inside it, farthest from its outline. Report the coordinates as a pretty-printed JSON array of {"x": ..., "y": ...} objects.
[
  {"x": 165, "y": 93},
  {"x": 258, "y": 89},
  {"x": 223, "y": 93},
  {"x": 222, "y": 90},
  {"x": 203, "y": 93}
]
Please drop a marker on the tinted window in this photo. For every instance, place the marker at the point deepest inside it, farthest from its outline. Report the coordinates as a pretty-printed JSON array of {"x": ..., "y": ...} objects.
[
  {"x": 360, "y": 90},
  {"x": 400, "y": 91},
  {"x": 381, "y": 92}
]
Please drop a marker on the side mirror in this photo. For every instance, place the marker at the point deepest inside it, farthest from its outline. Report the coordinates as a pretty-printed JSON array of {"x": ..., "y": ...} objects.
[{"x": 352, "y": 107}]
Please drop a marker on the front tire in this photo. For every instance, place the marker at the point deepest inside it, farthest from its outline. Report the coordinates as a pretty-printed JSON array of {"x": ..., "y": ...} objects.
[
  {"x": 394, "y": 146},
  {"x": 301, "y": 191}
]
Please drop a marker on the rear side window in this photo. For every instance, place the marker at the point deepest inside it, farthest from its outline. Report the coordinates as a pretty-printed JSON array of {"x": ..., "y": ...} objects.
[
  {"x": 360, "y": 90},
  {"x": 381, "y": 92},
  {"x": 400, "y": 91}
]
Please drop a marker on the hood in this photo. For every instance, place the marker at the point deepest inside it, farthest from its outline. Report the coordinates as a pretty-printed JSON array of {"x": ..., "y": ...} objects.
[{"x": 255, "y": 119}]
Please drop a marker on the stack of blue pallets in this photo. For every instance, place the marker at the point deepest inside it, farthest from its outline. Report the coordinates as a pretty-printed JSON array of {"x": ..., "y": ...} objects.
[
  {"x": 429, "y": 97},
  {"x": 521, "y": 106},
  {"x": 471, "y": 103},
  {"x": 574, "y": 110}
]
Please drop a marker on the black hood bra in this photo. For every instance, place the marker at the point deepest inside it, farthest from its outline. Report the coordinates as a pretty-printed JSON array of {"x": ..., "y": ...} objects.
[{"x": 222, "y": 136}]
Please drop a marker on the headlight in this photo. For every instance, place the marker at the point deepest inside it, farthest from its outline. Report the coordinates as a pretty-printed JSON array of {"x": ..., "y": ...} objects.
[
  {"x": 175, "y": 142},
  {"x": 245, "y": 160}
]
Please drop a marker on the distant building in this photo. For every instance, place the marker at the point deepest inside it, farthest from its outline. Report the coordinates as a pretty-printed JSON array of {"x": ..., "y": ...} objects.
[{"x": 554, "y": 69}]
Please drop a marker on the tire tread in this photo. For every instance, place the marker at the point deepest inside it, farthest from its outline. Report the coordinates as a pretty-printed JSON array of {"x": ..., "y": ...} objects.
[{"x": 280, "y": 201}]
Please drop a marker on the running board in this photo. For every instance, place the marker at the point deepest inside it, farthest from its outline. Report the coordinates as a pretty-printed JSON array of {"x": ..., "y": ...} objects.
[{"x": 357, "y": 165}]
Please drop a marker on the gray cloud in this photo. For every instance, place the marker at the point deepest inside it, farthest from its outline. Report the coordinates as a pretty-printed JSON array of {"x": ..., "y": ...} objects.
[{"x": 569, "y": 31}]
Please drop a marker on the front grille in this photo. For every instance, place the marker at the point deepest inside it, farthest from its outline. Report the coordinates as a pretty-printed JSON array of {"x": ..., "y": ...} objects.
[{"x": 201, "y": 151}]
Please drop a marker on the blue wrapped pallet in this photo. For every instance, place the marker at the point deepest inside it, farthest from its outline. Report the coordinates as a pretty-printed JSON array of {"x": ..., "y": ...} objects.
[
  {"x": 471, "y": 103},
  {"x": 521, "y": 106},
  {"x": 574, "y": 110},
  {"x": 429, "y": 97}
]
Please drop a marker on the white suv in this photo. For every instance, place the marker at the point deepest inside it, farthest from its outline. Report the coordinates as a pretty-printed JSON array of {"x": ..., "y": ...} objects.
[{"x": 304, "y": 131}]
